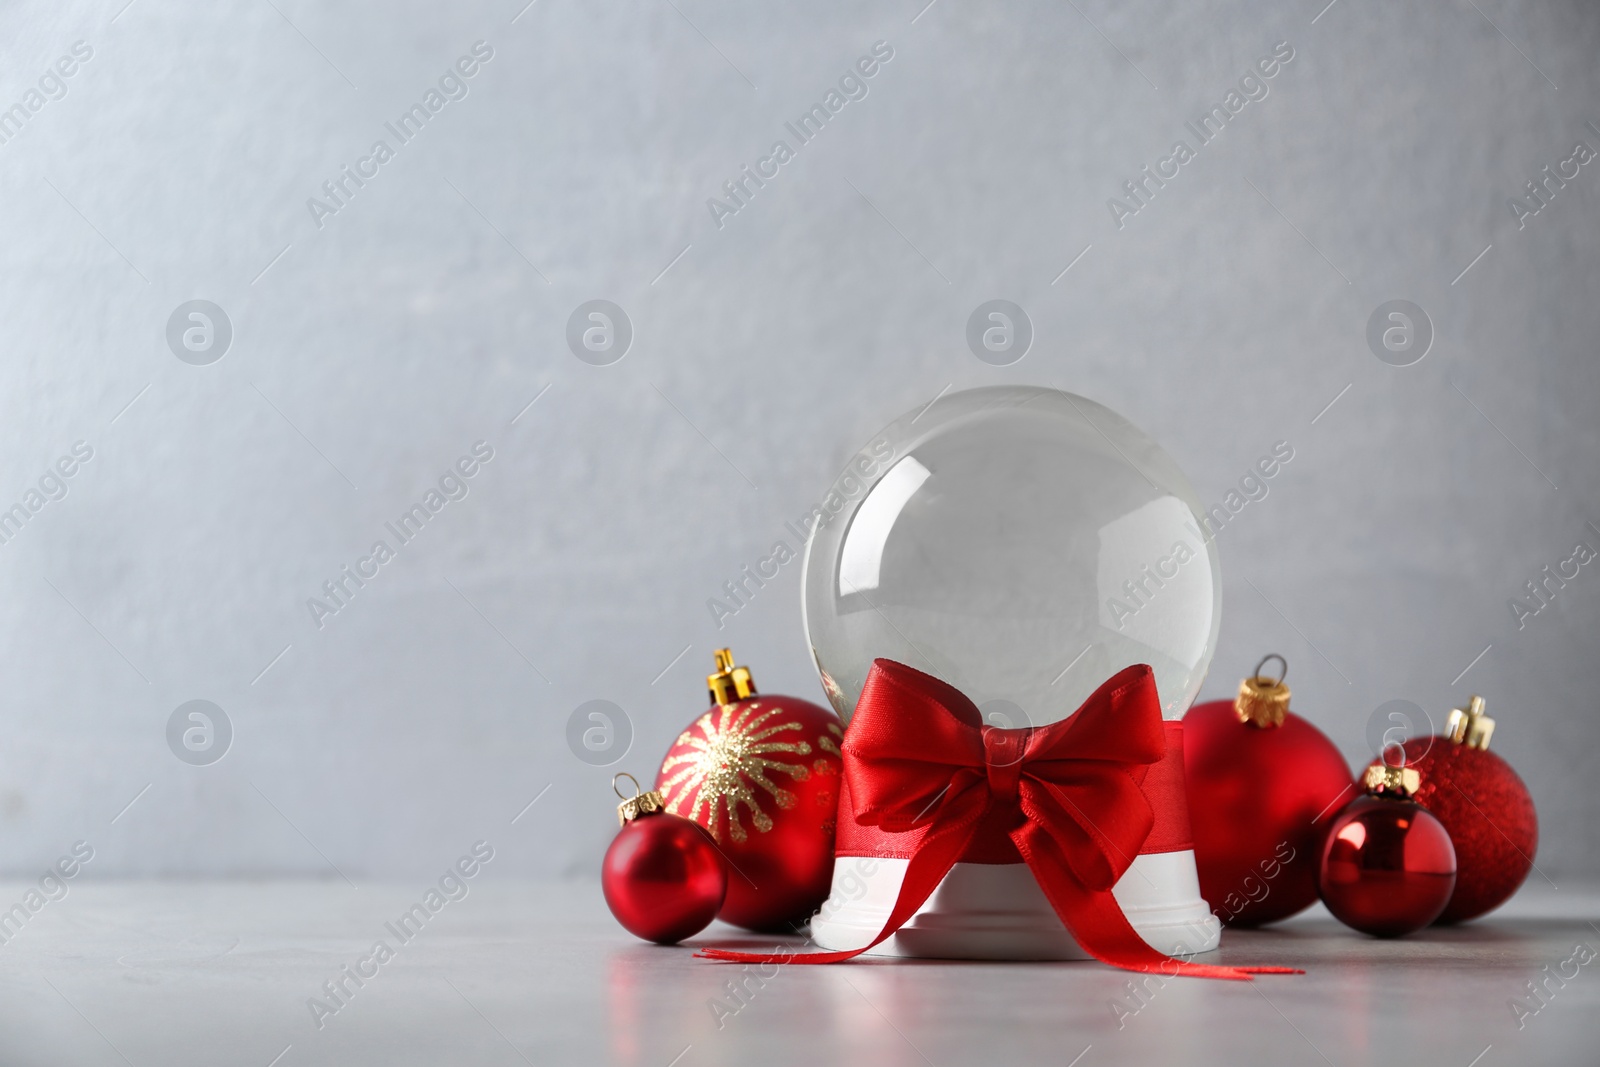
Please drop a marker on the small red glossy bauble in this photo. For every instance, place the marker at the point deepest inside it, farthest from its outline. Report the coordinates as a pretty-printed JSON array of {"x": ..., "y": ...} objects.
[
  {"x": 1388, "y": 867},
  {"x": 762, "y": 774},
  {"x": 1489, "y": 814},
  {"x": 663, "y": 879},
  {"x": 1255, "y": 794}
]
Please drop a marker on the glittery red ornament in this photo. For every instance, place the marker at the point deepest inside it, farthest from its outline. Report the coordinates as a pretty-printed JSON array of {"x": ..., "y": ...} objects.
[
  {"x": 1485, "y": 807},
  {"x": 1388, "y": 867},
  {"x": 1259, "y": 776},
  {"x": 762, "y": 774},
  {"x": 662, "y": 877}
]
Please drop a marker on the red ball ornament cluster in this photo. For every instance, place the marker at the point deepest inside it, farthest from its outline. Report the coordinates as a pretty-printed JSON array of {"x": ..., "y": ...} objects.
[
  {"x": 761, "y": 774},
  {"x": 1259, "y": 780},
  {"x": 1483, "y": 804},
  {"x": 740, "y": 824},
  {"x": 1444, "y": 832}
]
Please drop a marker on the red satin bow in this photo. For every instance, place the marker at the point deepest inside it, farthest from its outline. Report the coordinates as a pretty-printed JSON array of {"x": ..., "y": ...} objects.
[{"x": 1068, "y": 795}]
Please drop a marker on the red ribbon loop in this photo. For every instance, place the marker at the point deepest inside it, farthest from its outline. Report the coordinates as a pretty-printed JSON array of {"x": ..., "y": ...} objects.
[{"x": 1069, "y": 796}]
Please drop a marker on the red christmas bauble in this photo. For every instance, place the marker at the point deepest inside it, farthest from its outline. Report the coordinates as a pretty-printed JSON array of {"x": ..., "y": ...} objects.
[
  {"x": 1388, "y": 867},
  {"x": 1256, "y": 792},
  {"x": 662, "y": 878},
  {"x": 1490, "y": 817},
  {"x": 761, "y": 773}
]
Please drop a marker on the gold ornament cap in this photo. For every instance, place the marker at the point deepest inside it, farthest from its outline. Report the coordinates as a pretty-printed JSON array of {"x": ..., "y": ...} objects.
[
  {"x": 1469, "y": 725},
  {"x": 641, "y": 803},
  {"x": 1389, "y": 781},
  {"x": 1263, "y": 702},
  {"x": 729, "y": 684}
]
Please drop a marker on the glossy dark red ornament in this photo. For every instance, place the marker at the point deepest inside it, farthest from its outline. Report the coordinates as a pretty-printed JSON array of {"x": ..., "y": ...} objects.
[
  {"x": 1388, "y": 867},
  {"x": 761, "y": 773},
  {"x": 1484, "y": 805},
  {"x": 1259, "y": 777},
  {"x": 662, "y": 876}
]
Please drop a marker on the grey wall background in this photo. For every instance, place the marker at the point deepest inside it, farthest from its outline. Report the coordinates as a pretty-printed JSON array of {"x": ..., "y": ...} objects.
[{"x": 370, "y": 353}]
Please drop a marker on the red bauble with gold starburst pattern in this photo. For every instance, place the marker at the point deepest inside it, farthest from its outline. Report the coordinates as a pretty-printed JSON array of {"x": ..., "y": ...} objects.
[{"x": 762, "y": 774}]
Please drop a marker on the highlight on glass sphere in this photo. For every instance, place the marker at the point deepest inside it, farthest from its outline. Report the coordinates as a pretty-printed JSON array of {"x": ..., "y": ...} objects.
[{"x": 1022, "y": 544}]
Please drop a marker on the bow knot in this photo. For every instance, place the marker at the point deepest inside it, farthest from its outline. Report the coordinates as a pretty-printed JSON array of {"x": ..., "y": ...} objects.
[{"x": 1003, "y": 753}]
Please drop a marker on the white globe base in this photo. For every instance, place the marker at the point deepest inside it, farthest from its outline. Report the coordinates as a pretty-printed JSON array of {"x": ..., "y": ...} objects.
[{"x": 998, "y": 912}]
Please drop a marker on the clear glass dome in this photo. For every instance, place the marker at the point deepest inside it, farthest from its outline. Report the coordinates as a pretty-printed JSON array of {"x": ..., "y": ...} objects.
[{"x": 1022, "y": 544}]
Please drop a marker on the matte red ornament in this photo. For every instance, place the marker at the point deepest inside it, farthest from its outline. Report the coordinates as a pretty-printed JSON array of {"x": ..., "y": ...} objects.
[
  {"x": 1263, "y": 785},
  {"x": 662, "y": 876},
  {"x": 761, "y": 774},
  {"x": 1388, "y": 867},
  {"x": 1485, "y": 807}
]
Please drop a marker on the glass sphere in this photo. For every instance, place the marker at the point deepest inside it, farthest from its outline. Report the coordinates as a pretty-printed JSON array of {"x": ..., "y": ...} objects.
[{"x": 1022, "y": 544}]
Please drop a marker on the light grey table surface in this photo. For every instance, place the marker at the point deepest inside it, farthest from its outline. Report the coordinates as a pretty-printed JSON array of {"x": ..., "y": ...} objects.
[{"x": 170, "y": 973}]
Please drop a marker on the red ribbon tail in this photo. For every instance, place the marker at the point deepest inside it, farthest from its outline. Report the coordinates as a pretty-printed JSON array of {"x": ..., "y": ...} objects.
[
  {"x": 1096, "y": 921},
  {"x": 947, "y": 839}
]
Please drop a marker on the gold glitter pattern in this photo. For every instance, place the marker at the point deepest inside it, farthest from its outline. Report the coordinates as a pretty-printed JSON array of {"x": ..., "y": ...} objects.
[{"x": 731, "y": 753}]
